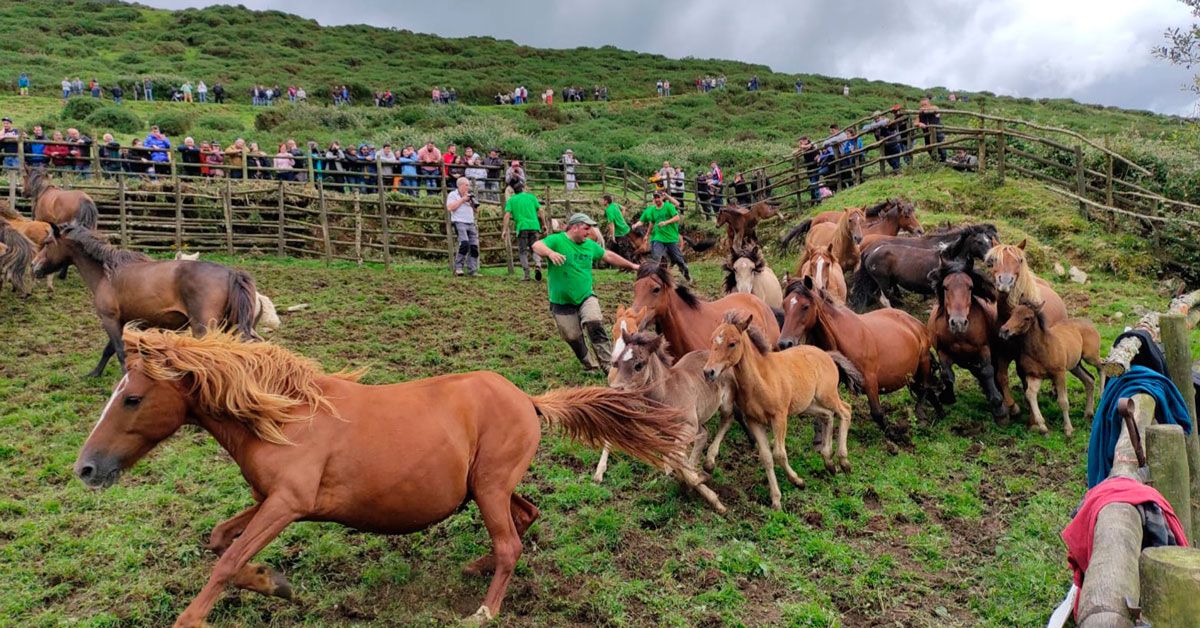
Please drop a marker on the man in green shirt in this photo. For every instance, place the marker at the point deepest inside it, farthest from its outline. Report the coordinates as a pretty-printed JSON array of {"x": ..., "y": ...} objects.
[
  {"x": 572, "y": 303},
  {"x": 618, "y": 229},
  {"x": 662, "y": 220},
  {"x": 524, "y": 209}
]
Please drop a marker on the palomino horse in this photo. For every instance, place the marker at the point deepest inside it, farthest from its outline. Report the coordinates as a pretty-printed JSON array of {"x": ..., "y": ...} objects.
[
  {"x": 321, "y": 447},
  {"x": 1048, "y": 352},
  {"x": 889, "y": 347},
  {"x": 887, "y": 219},
  {"x": 15, "y": 259},
  {"x": 35, "y": 231},
  {"x": 844, "y": 236},
  {"x": 741, "y": 223},
  {"x": 747, "y": 271},
  {"x": 770, "y": 386},
  {"x": 826, "y": 273},
  {"x": 645, "y": 367},
  {"x": 683, "y": 318},
  {"x": 57, "y": 206},
  {"x": 1016, "y": 282},
  {"x": 906, "y": 263},
  {"x": 963, "y": 327},
  {"x": 128, "y": 286}
]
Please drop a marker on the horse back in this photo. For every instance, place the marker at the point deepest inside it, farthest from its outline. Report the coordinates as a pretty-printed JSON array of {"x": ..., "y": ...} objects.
[
  {"x": 1054, "y": 309},
  {"x": 745, "y": 303},
  {"x": 688, "y": 388}
]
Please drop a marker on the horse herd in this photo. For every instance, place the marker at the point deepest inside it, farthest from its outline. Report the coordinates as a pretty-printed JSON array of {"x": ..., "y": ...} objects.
[{"x": 317, "y": 446}]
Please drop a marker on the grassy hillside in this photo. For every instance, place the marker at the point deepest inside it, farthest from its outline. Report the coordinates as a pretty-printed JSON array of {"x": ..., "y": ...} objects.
[{"x": 962, "y": 530}]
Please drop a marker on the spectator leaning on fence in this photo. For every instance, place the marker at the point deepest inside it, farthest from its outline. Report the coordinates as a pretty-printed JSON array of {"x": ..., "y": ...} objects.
[
  {"x": 929, "y": 120},
  {"x": 525, "y": 211},
  {"x": 80, "y": 150},
  {"x": 58, "y": 152},
  {"x": 431, "y": 165},
  {"x": 573, "y": 302},
  {"x": 408, "y": 169},
  {"x": 235, "y": 157},
  {"x": 110, "y": 154},
  {"x": 284, "y": 163},
  {"x": 156, "y": 140},
  {"x": 189, "y": 156},
  {"x": 35, "y": 148},
  {"x": 461, "y": 205},
  {"x": 662, "y": 220},
  {"x": 9, "y": 135}
]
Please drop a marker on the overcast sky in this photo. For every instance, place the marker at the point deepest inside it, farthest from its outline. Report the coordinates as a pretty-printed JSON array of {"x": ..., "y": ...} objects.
[{"x": 1095, "y": 51}]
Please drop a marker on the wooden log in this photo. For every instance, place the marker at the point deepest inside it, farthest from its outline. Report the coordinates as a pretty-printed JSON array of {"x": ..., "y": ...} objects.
[
  {"x": 1166, "y": 454},
  {"x": 1119, "y": 356},
  {"x": 358, "y": 229},
  {"x": 228, "y": 215},
  {"x": 122, "y": 211},
  {"x": 328, "y": 246},
  {"x": 1002, "y": 147},
  {"x": 1170, "y": 586},
  {"x": 1112, "y": 575}
]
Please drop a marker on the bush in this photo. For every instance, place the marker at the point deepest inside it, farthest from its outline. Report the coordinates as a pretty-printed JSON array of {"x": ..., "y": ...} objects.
[
  {"x": 220, "y": 123},
  {"x": 79, "y": 109},
  {"x": 268, "y": 119},
  {"x": 116, "y": 119},
  {"x": 172, "y": 122}
]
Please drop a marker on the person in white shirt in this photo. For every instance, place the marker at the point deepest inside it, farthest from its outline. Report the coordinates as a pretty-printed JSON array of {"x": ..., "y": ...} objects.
[
  {"x": 201, "y": 92},
  {"x": 461, "y": 205}
]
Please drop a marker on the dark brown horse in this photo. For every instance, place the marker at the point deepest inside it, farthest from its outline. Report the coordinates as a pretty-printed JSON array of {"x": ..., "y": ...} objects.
[
  {"x": 128, "y": 286},
  {"x": 963, "y": 327},
  {"x": 889, "y": 347},
  {"x": 887, "y": 218},
  {"x": 683, "y": 318},
  {"x": 321, "y": 447},
  {"x": 897, "y": 263},
  {"x": 741, "y": 223},
  {"x": 57, "y": 206}
]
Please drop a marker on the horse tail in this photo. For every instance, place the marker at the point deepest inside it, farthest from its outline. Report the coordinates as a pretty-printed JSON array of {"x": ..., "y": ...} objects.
[
  {"x": 87, "y": 215},
  {"x": 799, "y": 231},
  {"x": 241, "y": 301},
  {"x": 701, "y": 245},
  {"x": 865, "y": 289},
  {"x": 848, "y": 374},
  {"x": 15, "y": 262},
  {"x": 597, "y": 416}
]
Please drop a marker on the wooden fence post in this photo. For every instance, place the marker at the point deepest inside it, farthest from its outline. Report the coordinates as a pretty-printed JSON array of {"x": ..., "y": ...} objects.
[
  {"x": 1166, "y": 455},
  {"x": 1081, "y": 180},
  {"x": 1173, "y": 329},
  {"x": 279, "y": 246},
  {"x": 1168, "y": 585},
  {"x": 94, "y": 155},
  {"x": 227, "y": 208},
  {"x": 1108, "y": 175},
  {"x": 981, "y": 148},
  {"x": 178, "y": 204},
  {"x": 122, "y": 212},
  {"x": 383, "y": 214},
  {"x": 358, "y": 227},
  {"x": 324, "y": 223},
  {"x": 1003, "y": 144},
  {"x": 12, "y": 188}
]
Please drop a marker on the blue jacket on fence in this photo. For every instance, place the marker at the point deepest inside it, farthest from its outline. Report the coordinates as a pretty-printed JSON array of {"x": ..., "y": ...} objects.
[
  {"x": 159, "y": 156},
  {"x": 1106, "y": 425},
  {"x": 408, "y": 165}
]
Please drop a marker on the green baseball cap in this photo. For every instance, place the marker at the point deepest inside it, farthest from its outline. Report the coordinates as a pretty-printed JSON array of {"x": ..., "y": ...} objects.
[{"x": 580, "y": 217}]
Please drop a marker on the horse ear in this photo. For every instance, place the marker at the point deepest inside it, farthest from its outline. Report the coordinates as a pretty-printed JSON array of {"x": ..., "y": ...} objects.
[
  {"x": 744, "y": 324},
  {"x": 620, "y": 310},
  {"x": 55, "y": 230},
  {"x": 1022, "y": 244},
  {"x": 829, "y": 249},
  {"x": 654, "y": 345}
]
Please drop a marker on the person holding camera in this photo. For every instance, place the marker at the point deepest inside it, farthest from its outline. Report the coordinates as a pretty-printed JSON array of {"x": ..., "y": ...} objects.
[{"x": 461, "y": 204}]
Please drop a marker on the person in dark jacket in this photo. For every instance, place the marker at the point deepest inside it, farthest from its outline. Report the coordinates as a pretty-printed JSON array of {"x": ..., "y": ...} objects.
[
  {"x": 929, "y": 120},
  {"x": 903, "y": 131},
  {"x": 35, "y": 148},
  {"x": 741, "y": 190},
  {"x": 189, "y": 155},
  {"x": 110, "y": 154}
]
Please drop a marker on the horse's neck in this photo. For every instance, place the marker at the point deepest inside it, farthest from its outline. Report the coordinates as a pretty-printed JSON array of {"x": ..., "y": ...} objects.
[
  {"x": 232, "y": 435},
  {"x": 843, "y": 242},
  {"x": 887, "y": 225},
  {"x": 824, "y": 331},
  {"x": 658, "y": 384},
  {"x": 90, "y": 268},
  {"x": 675, "y": 328},
  {"x": 751, "y": 372}
]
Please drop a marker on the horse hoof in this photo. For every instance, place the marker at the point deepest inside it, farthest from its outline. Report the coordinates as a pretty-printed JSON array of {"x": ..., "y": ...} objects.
[
  {"x": 481, "y": 616},
  {"x": 845, "y": 464},
  {"x": 598, "y": 478},
  {"x": 830, "y": 467},
  {"x": 709, "y": 465},
  {"x": 1041, "y": 429},
  {"x": 481, "y": 567},
  {"x": 1068, "y": 433},
  {"x": 948, "y": 398}
]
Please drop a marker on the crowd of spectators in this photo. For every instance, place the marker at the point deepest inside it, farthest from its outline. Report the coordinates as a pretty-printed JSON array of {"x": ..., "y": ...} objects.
[
  {"x": 444, "y": 95},
  {"x": 705, "y": 84}
]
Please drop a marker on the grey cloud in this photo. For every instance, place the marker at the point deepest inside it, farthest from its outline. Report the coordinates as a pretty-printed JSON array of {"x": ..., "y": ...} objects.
[{"x": 1093, "y": 51}]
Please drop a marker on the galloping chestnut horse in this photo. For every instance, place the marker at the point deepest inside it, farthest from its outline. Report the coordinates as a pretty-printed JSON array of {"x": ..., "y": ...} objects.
[
  {"x": 889, "y": 347},
  {"x": 747, "y": 271},
  {"x": 1016, "y": 282},
  {"x": 36, "y": 231},
  {"x": 770, "y": 386},
  {"x": 321, "y": 447},
  {"x": 845, "y": 237},
  {"x": 1048, "y": 352},
  {"x": 57, "y": 206},
  {"x": 128, "y": 286},
  {"x": 887, "y": 218},
  {"x": 683, "y": 318},
  {"x": 741, "y": 223},
  {"x": 826, "y": 273},
  {"x": 963, "y": 327},
  {"x": 906, "y": 263}
]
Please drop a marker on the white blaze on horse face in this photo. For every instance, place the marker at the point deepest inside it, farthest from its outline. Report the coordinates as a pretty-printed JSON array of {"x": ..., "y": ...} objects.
[
  {"x": 743, "y": 273},
  {"x": 794, "y": 301},
  {"x": 819, "y": 279},
  {"x": 115, "y": 393},
  {"x": 619, "y": 345},
  {"x": 628, "y": 355}
]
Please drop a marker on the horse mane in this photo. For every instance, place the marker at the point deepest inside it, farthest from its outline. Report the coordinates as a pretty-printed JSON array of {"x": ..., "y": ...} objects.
[
  {"x": 258, "y": 384},
  {"x": 15, "y": 260},
  {"x": 1037, "y": 312},
  {"x": 96, "y": 247},
  {"x": 663, "y": 274},
  {"x": 734, "y": 317},
  {"x": 1025, "y": 288},
  {"x": 878, "y": 208},
  {"x": 981, "y": 285},
  {"x": 753, "y": 253}
]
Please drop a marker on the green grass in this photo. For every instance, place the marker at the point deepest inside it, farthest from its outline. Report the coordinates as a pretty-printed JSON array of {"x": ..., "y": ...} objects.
[{"x": 960, "y": 530}]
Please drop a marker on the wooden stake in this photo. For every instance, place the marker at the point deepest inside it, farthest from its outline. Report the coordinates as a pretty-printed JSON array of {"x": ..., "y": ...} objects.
[
  {"x": 1176, "y": 346},
  {"x": 122, "y": 211},
  {"x": 383, "y": 214},
  {"x": 227, "y": 206},
  {"x": 1166, "y": 454},
  {"x": 358, "y": 227},
  {"x": 1170, "y": 582},
  {"x": 279, "y": 237},
  {"x": 324, "y": 223}
]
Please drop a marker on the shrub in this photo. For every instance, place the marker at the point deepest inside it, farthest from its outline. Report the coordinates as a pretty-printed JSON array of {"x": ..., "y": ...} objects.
[
  {"x": 79, "y": 109},
  {"x": 116, "y": 119},
  {"x": 220, "y": 123},
  {"x": 268, "y": 119},
  {"x": 172, "y": 122}
]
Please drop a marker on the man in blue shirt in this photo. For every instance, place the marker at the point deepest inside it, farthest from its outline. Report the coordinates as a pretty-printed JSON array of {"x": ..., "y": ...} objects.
[{"x": 159, "y": 145}]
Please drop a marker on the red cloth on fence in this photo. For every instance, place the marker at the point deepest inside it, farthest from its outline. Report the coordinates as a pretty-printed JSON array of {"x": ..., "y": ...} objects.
[{"x": 1078, "y": 534}]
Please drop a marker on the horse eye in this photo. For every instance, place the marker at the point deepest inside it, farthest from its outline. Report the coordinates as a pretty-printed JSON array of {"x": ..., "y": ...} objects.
[
  {"x": 639, "y": 366},
  {"x": 732, "y": 345},
  {"x": 657, "y": 289},
  {"x": 132, "y": 401}
]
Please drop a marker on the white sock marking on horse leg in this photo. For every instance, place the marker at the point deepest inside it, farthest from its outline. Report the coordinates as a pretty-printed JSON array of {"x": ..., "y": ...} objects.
[{"x": 115, "y": 393}]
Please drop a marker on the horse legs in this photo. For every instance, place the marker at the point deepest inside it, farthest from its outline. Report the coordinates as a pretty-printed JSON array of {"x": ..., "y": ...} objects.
[
  {"x": 1064, "y": 401},
  {"x": 495, "y": 505},
  {"x": 923, "y": 389},
  {"x": 843, "y": 413},
  {"x": 946, "y": 365},
  {"x": 1010, "y": 404},
  {"x": 105, "y": 356},
  {"x": 1089, "y": 384},
  {"x": 601, "y": 466},
  {"x": 1036, "y": 421},
  {"x": 985, "y": 374},
  {"x": 759, "y": 432},
  {"x": 524, "y": 513},
  {"x": 256, "y": 577},
  {"x": 825, "y": 420},
  {"x": 710, "y": 459},
  {"x": 779, "y": 433},
  {"x": 266, "y": 524}
]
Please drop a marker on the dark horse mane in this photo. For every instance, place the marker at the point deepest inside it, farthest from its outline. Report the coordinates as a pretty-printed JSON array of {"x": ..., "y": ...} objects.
[
  {"x": 95, "y": 246},
  {"x": 734, "y": 317},
  {"x": 981, "y": 285},
  {"x": 663, "y": 274},
  {"x": 753, "y": 252},
  {"x": 38, "y": 182},
  {"x": 645, "y": 338},
  {"x": 957, "y": 248},
  {"x": 878, "y": 208},
  {"x": 1037, "y": 312}
]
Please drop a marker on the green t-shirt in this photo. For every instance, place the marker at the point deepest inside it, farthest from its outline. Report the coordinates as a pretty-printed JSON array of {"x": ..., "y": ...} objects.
[
  {"x": 570, "y": 282},
  {"x": 613, "y": 214},
  {"x": 662, "y": 233},
  {"x": 524, "y": 210}
]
